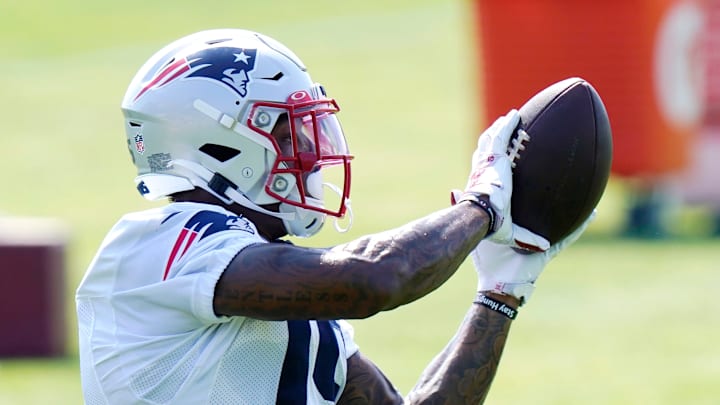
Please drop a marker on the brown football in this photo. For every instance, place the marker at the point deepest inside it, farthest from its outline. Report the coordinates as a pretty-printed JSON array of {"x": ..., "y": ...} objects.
[{"x": 561, "y": 155}]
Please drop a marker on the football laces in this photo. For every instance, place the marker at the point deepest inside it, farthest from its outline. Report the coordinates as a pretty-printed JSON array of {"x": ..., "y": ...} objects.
[{"x": 517, "y": 144}]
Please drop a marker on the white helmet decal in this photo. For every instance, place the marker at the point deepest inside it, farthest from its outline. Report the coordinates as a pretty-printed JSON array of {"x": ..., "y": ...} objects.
[{"x": 225, "y": 64}]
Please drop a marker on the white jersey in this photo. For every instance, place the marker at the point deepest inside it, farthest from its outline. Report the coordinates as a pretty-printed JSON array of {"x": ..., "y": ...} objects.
[{"x": 148, "y": 333}]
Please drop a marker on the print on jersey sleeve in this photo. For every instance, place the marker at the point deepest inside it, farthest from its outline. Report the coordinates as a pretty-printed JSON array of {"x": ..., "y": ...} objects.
[{"x": 199, "y": 226}]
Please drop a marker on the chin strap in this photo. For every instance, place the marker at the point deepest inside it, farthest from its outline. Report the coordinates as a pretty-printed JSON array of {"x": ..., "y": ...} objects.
[
  {"x": 224, "y": 190},
  {"x": 230, "y": 193},
  {"x": 336, "y": 223}
]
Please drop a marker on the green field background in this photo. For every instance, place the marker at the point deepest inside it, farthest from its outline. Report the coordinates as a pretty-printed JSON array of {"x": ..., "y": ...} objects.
[{"x": 613, "y": 321}]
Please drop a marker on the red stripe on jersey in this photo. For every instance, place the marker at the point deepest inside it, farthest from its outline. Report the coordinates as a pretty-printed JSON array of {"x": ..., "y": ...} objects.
[
  {"x": 176, "y": 247},
  {"x": 193, "y": 235}
]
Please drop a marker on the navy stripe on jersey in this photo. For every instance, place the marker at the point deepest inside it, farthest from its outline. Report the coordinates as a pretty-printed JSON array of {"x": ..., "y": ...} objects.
[
  {"x": 327, "y": 357},
  {"x": 292, "y": 387},
  {"x": 293, "y": 380}
]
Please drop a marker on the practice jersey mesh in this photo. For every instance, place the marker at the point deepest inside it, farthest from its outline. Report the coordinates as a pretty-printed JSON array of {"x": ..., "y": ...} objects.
[{"x": 148, "y": 333}]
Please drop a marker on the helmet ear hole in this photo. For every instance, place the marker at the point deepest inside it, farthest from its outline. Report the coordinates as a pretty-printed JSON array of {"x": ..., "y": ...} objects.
[{"x": 219, "y": 152}]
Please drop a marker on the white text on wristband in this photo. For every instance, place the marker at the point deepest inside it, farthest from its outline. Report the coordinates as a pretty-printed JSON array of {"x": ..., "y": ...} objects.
[{"x": 496, "y": 306}]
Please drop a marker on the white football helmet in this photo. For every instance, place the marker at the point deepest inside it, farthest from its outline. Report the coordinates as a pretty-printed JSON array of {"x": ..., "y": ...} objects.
[{"x": 235, "y": 113}]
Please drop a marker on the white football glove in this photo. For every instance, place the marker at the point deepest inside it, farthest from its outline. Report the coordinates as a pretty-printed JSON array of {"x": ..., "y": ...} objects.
[
  {"x": 491, "y": 175},
  {"x": 506, "y": 270},
  {"x": 520, "y": 238}
]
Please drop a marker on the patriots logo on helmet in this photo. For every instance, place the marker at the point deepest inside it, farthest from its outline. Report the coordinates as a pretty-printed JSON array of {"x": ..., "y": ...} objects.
[{"x": 227, "y": 65}]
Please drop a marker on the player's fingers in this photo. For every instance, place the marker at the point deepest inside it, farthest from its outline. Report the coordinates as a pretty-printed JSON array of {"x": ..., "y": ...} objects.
[
  {"x": 510, "y": 122},
  {"x": 528, "y": 240}
]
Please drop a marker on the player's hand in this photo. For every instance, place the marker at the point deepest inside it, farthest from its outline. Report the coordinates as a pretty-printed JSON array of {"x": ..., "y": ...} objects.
[
  {"x": 504, "y": 269},
  {"x": 519, "y": 237},
  {"x": 490, "y": 173},
  {"x": 491, "y": 176}
]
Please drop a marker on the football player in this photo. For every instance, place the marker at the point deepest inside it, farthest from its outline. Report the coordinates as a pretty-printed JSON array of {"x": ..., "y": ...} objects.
[{"x": 201, "y": 301}]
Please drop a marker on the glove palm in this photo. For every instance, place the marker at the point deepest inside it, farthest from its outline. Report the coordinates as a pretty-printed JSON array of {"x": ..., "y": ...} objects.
[{"x": 502, "y": 268}]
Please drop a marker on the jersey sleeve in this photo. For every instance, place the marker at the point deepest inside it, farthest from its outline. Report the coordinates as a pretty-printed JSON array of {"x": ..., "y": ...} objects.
[{"x": 198, "y": 273}]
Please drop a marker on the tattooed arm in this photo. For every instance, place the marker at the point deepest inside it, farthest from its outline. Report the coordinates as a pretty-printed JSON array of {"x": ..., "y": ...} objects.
[
  {"x": 461, "y": 374},
  {"x": 463, "y": 371},
  {"x": 276, "y": 281},
  {"x": 366, "y": 384}
]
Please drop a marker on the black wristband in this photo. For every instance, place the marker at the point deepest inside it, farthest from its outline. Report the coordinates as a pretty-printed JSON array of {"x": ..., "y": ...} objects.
[
  {"x": 496, "y": 306},
  {"x": 482, "y": 201}
]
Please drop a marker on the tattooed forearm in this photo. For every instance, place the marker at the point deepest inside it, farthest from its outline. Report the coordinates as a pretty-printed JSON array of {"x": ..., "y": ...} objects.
[
  {"x": 355, "y": 280},
  {"x": 463, "y": 372},
  {"x": 422, "y": 255},
  {"x": 277, "y": 282}
]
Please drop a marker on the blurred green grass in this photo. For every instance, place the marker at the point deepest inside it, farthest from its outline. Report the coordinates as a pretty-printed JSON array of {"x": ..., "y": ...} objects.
[{"x": 613, "y": 321}]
